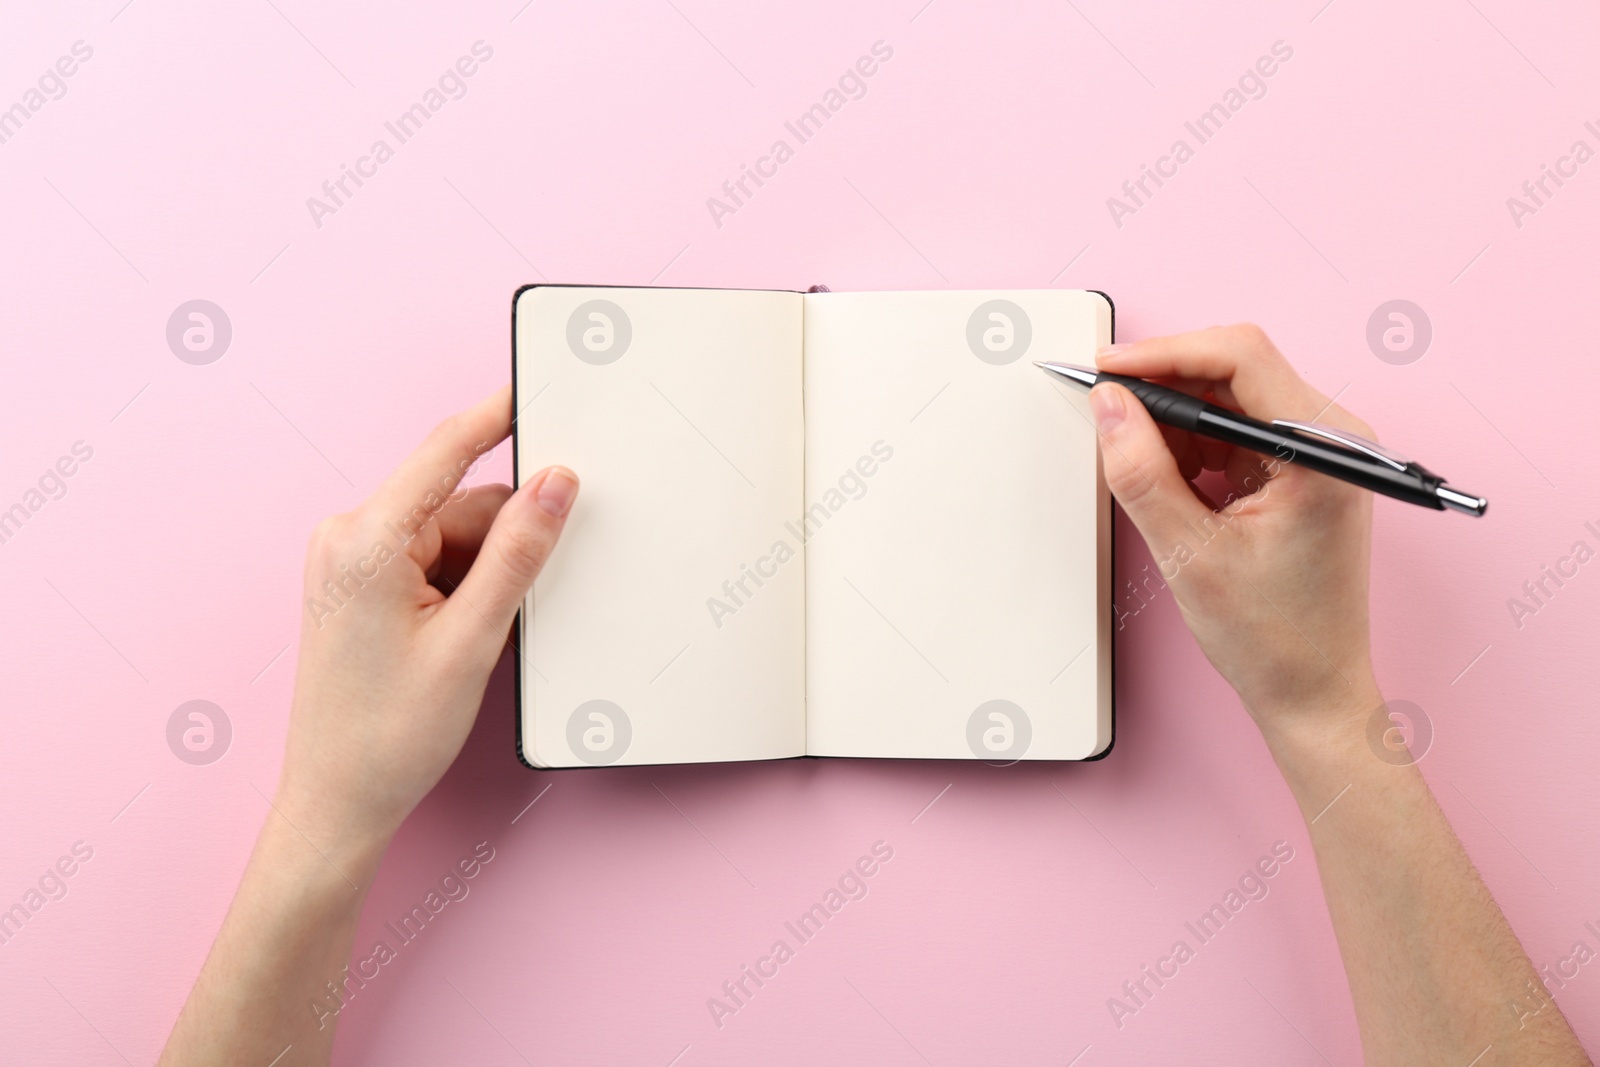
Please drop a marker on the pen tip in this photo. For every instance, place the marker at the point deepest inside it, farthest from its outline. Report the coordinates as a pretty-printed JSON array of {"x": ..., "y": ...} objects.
[{"x": 1040, "y": 364}]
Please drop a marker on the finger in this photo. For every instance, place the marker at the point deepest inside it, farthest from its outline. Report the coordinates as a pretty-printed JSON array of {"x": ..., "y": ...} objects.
[
  {"x": 1141, "y": 472},
  {"x": 463, "y": 524},
  {"x": 1214, "y": 455},
  {"x": 1185, "y": 449},
  {"x": 419, "y": 486},
  {"x": 1241, "y": 357},
  {"x": 514, "y": 550},
  {"x": 1246, "y": 471},
  {"x": 1206, "y": 499},
  {"x": 1194, "y": 452}
]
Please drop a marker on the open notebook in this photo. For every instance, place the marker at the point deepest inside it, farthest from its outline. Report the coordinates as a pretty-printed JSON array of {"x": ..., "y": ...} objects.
[{"x": 828, "y": 524}]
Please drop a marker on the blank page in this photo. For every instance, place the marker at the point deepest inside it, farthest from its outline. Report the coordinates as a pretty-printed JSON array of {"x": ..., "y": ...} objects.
[
  {"x": 958, "y": 596},
  {"x": 680, "y": 411}
]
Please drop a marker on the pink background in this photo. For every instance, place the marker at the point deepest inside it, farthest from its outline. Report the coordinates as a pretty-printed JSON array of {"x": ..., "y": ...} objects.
[{"x": 177, "y": 166}]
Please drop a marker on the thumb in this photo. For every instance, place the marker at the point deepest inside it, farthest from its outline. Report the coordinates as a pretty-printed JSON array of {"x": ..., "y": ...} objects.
[
  {"x": 514, "y": 551},
  {"x": 1141, "y": 471}
]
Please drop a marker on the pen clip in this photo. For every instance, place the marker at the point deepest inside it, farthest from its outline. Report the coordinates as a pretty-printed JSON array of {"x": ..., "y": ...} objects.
[{"x": 1345, "y": 439}]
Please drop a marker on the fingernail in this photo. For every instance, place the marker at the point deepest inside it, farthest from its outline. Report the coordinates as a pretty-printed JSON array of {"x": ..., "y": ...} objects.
[
  {"x": 1110, "y": 352},
  {"x": 557, "y": 491},
  {"x": 1106, "y": 403}
]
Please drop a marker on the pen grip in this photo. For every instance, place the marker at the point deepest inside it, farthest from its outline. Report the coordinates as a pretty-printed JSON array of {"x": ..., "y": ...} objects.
[
  {"x": 1166, "y": 405},
  {"x": 1172, "y": 408}
]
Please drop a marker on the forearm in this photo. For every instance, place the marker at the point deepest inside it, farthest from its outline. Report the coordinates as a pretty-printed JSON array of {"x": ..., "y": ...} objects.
[
  {"x": 286, "y": 937},
  {"x": 1436, "y": 974}
]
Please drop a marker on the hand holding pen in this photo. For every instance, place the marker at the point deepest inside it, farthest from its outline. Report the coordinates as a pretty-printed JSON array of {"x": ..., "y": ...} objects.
[
  {"x": 1288, "y": 544},
  {"x": 1274, "y": 588},
  {"x": 1330, "y": 450}
]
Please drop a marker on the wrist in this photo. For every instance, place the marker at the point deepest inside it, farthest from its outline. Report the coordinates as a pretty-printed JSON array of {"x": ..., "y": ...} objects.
[
  {"x": 1307, "y": 718},
  {"x": 348, "y": 844},
  {"x": 1329, "y": 737}
]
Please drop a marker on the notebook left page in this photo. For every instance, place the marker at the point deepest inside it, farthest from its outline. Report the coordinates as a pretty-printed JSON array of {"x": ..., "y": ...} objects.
[{"x": 669, "y": 626}]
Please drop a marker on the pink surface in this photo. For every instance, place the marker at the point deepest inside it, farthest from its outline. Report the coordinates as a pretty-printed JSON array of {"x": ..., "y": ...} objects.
[{"x": 177, "y": 166}]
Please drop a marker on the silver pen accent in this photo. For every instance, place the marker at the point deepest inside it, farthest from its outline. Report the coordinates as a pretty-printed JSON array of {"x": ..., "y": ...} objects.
[
  {"x": 1083, "y": 376},
  {"x": 1462, "y": 502}
]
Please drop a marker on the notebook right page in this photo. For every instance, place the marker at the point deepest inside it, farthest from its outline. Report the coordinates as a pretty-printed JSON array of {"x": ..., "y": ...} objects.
[{"x": 957, "y": 529}]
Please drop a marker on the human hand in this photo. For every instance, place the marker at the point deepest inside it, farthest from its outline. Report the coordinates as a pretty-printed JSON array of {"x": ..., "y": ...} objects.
[
  {"x": 1274, "y": 583},
  {"x": 409, "y": 599}
]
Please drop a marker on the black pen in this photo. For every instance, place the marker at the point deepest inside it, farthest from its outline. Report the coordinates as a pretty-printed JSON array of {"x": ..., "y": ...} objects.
[{"x": 1325, "y": 449}]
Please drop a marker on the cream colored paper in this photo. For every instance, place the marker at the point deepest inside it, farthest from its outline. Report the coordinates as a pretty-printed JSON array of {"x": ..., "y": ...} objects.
[
  {"x": 688, "y": 448},
  {"x": 976, "y": 566},
  {"x": 915, "y": 562}
]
